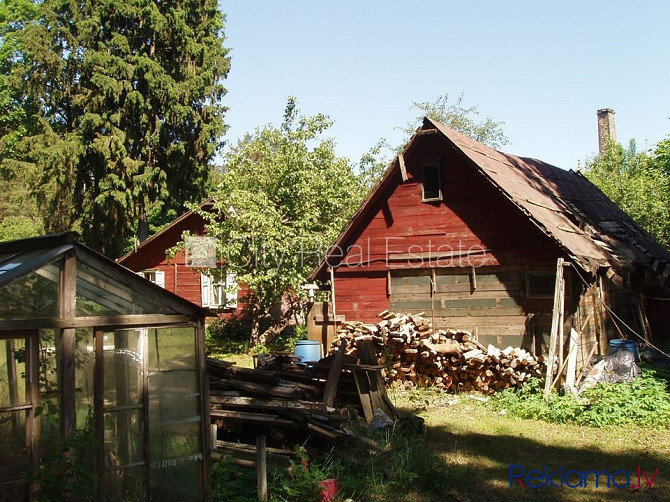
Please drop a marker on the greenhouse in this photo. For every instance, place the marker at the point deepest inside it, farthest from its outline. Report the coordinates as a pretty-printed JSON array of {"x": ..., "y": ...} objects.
[{"x": 102, "y": 380}]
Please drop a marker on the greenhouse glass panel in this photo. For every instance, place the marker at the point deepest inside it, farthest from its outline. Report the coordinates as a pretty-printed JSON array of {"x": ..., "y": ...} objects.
[
  {"x": 174, "y": 417},
  {"x": 33, "y": 296}
]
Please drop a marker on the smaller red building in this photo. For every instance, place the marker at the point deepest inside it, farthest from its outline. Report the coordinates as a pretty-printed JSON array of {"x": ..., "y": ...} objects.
[{"x": 217, "y": 290}]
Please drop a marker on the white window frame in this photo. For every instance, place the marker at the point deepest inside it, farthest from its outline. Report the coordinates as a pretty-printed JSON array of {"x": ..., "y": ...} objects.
[
  {"x": 219, "y": 293},
  {"x": 154, "y": 275}
]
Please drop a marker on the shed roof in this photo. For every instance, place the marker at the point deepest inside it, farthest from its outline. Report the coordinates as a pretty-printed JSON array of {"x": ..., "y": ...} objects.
[{"x": 563, "y": 204}]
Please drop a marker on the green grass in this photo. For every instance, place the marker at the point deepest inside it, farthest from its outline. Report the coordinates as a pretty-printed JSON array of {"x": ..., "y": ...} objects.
[
  {"x": 464, "y": 454},
  {"x": 477, "y": 444}
]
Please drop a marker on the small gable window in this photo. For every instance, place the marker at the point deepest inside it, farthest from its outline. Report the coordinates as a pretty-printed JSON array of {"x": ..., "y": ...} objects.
[{"x": 431, "y": 182}]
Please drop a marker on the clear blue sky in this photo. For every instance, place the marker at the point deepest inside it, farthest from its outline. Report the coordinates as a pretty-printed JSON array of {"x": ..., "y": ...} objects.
[{"x": 541, "y": 67}]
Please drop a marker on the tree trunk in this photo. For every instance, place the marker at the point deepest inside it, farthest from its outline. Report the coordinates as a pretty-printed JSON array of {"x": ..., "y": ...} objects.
[{"x": 142, "y": 223}]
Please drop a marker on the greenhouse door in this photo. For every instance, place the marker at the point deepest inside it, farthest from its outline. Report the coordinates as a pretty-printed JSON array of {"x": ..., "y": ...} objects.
[
  {"x": 18, "y": 399},
  {"x": 121, "y": 413}
]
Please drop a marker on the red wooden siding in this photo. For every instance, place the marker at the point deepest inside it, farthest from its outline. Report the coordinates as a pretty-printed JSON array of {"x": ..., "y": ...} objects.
[
  {"x": 152, "y": 256},
  {"x": 473, "y": 215}
]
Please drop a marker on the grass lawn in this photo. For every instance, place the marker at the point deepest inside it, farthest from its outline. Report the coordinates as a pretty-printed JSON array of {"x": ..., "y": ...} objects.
[{"x": 475, "y": 446}]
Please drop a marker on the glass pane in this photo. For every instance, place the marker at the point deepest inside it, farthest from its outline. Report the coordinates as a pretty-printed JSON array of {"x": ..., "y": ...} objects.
[
  {"x": 14, "y": 455},
  {"x": 34, "y": 296},
  {"x": 174, "y": 416},
  {"x": 123, "y": 355},
  {"x": 123, "y": 485},
  {"x": 84, "y": 363},
  {"x": 123, "y": 445},
  {"x": 48, "y": 384},
  {"x": 12, "y": 372},
  {"x": 99, "y": 294},
  {"x": 172, "y": 348}
]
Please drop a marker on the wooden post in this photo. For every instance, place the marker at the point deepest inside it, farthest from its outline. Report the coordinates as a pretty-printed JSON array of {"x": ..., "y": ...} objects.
[
  {"x": 432, "y": 298},
  {"x": 572, "y": 358},
  {"x": 261, "y": 469},
  {"x": 67, "y": 310},
  {"x": 332, "y": 294},
  {"x": 98, "y": 406},
  {"x": 559, "y": 292},
  {"x": 207, "y": 434},
  {"x": 334, "y": 375}
]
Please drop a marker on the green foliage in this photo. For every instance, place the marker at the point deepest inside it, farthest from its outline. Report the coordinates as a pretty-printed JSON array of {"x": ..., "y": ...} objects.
[
  {"x": 462, "y": 119},
  {"x": 68, "y": 470},
  {"x": 404, "y": 467},
  {"x": 637, "y": 182},
  {"x": 123, "y": 100},
  {"x": 645, "y": 402},
  {"x": 228, "y": 336},
  {"x": 283, "y": 198}
]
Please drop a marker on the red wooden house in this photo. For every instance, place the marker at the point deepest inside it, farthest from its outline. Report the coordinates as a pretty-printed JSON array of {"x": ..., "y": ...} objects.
[
  {"x": 472, "y": 236},
  {"x": 217, "y": 290}
]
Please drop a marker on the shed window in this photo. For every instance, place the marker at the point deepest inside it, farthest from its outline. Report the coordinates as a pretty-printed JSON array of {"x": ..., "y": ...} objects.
[
  {"x": 219, "y": 290},
  {"x": 540, "y": 284},
  {"x": 431, "y": 182}
]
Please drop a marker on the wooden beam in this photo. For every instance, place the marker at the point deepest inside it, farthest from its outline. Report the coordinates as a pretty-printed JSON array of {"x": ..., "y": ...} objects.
[
  {"x": 118, "y": 321},
  {"x": 334, "y": 375},
  {"x": 403, "y": 168},
  {"x": 261, "y": 469},
  {"x": 206, "y": 439},
  {"x": 559, "y": 297},
  {"x": 332, "y": 291},
  {"x": 572, "y": 359},
  {"x": 425, "y": 132},
  {"x": 98, "y": 407},
  {"x": 67, "y": 298}
]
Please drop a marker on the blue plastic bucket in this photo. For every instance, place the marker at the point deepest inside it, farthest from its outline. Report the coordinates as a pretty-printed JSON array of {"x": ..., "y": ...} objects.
[
  {"x": 308, "y": 350},
  {"x": 628, "y": 345}
]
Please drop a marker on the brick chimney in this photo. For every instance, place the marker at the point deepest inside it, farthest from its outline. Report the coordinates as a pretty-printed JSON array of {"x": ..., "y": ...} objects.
[{"x": 606, "y": 129}]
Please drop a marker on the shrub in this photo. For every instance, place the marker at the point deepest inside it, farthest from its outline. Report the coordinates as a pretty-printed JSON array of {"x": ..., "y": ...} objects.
[{"x": 644, "y": 401}]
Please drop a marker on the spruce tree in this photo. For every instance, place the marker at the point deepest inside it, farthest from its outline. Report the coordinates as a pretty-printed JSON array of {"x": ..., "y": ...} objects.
[{"x": 128, "y": 107}]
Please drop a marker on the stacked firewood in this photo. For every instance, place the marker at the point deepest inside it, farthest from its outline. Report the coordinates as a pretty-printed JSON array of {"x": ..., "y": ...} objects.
[{"x": 451, "y": 360}]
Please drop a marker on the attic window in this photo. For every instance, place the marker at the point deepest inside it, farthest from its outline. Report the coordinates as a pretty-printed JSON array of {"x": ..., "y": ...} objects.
[{"x": 431, "y": 182}]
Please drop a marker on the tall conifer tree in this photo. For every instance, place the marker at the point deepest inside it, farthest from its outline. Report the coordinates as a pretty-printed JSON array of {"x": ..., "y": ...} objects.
[{"x": 128, "y": 96}]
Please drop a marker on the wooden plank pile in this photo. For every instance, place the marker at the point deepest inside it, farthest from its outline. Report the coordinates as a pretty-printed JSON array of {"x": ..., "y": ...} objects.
[
  {"x": 451, "y": 360},
  {"x": 291, "y": 405}
]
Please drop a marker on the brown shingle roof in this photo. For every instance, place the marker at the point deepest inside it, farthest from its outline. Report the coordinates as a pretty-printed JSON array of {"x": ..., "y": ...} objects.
[{"x": 566, "y": 206}]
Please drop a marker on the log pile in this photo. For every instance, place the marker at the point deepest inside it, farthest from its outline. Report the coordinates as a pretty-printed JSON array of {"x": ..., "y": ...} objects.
[{"x": 451, "y": 360}]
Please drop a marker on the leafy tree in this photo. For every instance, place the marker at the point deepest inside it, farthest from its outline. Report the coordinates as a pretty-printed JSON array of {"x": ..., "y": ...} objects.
[
  {"x": 638, "y": 182},
  {"x": 282, "y": 199},
  {"x": 126, "y": 98},
  {"x": 463, "y": 119}
]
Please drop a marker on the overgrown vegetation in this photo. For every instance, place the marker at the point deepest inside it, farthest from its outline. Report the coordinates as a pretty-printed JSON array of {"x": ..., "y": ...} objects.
[
  {"x": 230, "y": 338},
  {"x": 67, "y": 470},
  {"x": 403, "y": 468},
  {"x": 644, "y": 402}
]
